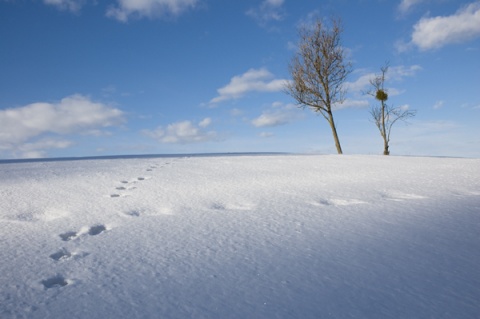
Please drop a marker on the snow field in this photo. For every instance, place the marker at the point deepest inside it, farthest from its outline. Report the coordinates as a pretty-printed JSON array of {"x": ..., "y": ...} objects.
[{"x": 241, "y": 237}]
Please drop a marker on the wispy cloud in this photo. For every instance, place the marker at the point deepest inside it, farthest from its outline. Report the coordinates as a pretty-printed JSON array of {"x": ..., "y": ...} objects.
[
  {"x": 438, "y": 105},
  {"x": 277, "y": 114},
  {"x": 266, "y": 134},
  {"x": 400, "y": 72},
  {"x": 126, "y": 9},
  {"x": 436, "y": 32},
  {"x": 19, "y": 127},
  {"x": 470, "y": 105},
  {"x": 268, "y": 10},
  {"x": 38, "y": 149},
  {"x": 254, "y": 80},
  {"x": 395, "y": 74},
  {"x": 357, "y": 89},
  {"x": 236, "y": 112},
  {"x": 351, "y": 103},
  {"x": 271, "y": 119},
  {"x": 406, "y": 5},
  {"x": 68, "y": 5},
  {"x": 184, "y": 132},
  {"x": 361, "y": 84},
  {"x": 435, "y": 138}
]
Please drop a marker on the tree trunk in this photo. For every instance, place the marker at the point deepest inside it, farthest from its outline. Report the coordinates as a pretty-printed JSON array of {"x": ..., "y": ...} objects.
[
  {"x": 386, "y": 151},
  {"x": 334, "y": 132},
  {"x": 384, "y": 131}
]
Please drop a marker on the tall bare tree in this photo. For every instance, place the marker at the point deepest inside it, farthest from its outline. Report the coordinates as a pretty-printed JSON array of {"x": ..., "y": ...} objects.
[
  {"x": 384, "y": 115},
  {"x": 319, "y": 70}
]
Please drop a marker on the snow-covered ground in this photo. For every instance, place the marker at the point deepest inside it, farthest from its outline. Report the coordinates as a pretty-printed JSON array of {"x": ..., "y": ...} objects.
[{"x": 284, "y": 236}]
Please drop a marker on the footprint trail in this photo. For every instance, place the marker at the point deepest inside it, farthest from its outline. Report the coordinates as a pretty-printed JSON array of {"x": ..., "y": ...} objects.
[{"x": 67, "y": 256}]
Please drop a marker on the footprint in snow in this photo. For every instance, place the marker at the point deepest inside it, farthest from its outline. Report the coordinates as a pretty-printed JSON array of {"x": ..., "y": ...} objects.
[
  {"x": 96, "y": 230},
  {"x": 133, "y": 213},
  {"x": 322, "y": 202},
  {"x": 55, "y": 281},
  {"x": 92, "y": 231},
  {"x": 238, "y": 206},
  {"x": 116, "y": 195},
  {"x": 218, "y": 206},
  {"x": 70, "y": 235},
  {"x": 123, "y": 188},
  {"x": 64, "y": 254},
  {"x": 337, "y": 202},
  {"x": 399, "y": 196}
]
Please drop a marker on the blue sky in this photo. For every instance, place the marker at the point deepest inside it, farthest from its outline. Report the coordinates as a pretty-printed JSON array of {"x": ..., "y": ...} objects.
[{"x": 92, "y": 78}]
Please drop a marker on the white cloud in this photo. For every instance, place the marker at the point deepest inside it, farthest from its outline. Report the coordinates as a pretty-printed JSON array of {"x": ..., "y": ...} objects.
[
  {"x": 266, "y": 134},
  {"x": 438, "y": 105},
  {"x": 149, "y": 8},
  {"x": 361, "y": 84},
  {"x": 254, "y": 80},
  {"x": 39, "y": 148},
  {"x": 73, "y": 114},
  {"x": 278, "y": 114},
  {"x": 109, "y": 90},
  {"x": 394, "y": 74},
  {"x": 268, "y": 10},
  {"x": 351, "y": 103},
  {"x": 270, "y": 119},
  {"x": 69, "y": 5},
  {"x": 236, "y": 112},
  {"x": 394, "y": 91},
  {"x": 184, "y": 132},
  {"x": 402, "y": 46},
  {"x": 435, "y": 138},
  {"x": 399, "y": 72},
  {"x": 431, "y": 128},
  {"x": 406, "y": 5},
  {"x": 205, "y": 122},
  {"x": 436, "y": 32}
]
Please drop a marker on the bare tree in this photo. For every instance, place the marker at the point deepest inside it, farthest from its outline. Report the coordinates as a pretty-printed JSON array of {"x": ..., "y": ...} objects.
[
  {"x": 384, "y": 115},
  {"x": 319, "y": 70}
]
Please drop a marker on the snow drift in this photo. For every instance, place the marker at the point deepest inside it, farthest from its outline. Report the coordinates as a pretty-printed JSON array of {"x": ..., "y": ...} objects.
[{"x": 241, "y": 237}]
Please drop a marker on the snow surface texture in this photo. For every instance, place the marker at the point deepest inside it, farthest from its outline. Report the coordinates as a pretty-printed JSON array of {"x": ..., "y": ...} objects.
[{"x": 241, "y": 237}]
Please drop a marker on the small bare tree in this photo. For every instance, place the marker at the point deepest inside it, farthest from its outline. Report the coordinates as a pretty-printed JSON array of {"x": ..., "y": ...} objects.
[
  {"x": 384, "y": 115},
  {"x": 319, "y": 70}
]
